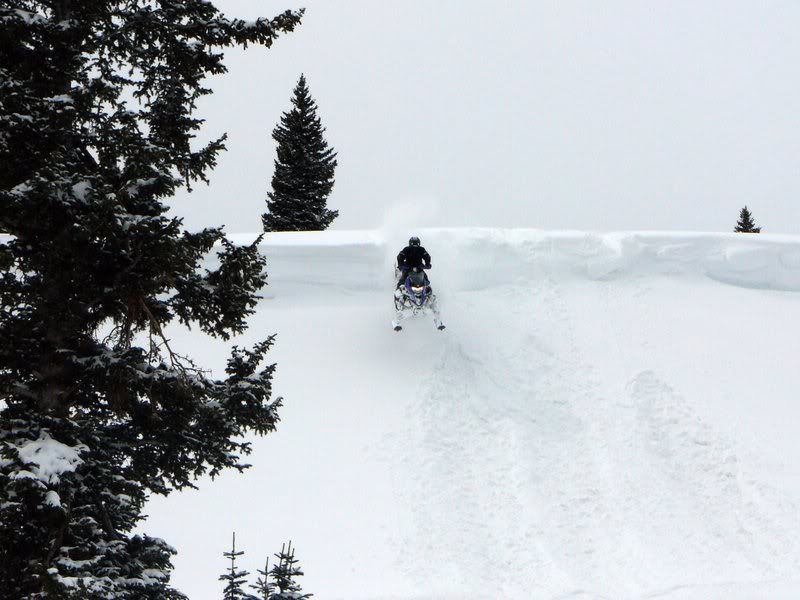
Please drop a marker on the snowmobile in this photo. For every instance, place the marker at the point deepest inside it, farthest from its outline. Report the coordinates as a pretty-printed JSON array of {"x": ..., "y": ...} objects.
[{"x": 414, "y": 296}]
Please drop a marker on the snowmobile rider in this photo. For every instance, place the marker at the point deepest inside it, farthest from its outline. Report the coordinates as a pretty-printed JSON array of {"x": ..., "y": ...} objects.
[{"x": 413, "y": 255}]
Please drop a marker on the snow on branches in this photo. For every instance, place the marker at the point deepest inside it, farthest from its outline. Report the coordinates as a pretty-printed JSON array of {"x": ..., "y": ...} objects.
[{"x": 97, "y": 129}]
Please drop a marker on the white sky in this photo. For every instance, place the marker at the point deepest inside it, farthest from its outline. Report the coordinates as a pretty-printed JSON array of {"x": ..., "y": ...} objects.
[{"x": 562, "y": 114}]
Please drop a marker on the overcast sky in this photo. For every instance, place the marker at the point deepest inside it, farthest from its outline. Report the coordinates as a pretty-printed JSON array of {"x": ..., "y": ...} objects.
[{"x": 591, "y": 115}]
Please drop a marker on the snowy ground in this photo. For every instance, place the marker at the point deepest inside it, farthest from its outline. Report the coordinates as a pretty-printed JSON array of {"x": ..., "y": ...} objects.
[{"x": 606, "y": 416}]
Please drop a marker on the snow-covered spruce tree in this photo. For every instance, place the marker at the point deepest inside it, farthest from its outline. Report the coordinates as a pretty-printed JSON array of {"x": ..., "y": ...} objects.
[
  {"x": 97, "y": 410},
  {"x": 263, "y": 584},
  {"x": 304, "y": 170},
  {"x": 234, "y": 580},
  {"x": 284, "y": 574},
  {"x": 746, "y": 224}
]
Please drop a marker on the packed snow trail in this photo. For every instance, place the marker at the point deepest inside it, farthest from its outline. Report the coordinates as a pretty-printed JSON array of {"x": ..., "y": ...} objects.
[{"x": 605, "y": 417}]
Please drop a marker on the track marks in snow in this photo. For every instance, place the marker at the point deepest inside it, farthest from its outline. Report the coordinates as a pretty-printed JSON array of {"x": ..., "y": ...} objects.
[
  {"x": 745, "y": 527},
  {"x": 490, "y": 422},
  {"x": 530, "y": 474}
]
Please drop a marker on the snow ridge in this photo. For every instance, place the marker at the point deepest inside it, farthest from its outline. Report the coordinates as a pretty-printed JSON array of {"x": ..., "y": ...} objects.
[{"x": 478, "y": 258}]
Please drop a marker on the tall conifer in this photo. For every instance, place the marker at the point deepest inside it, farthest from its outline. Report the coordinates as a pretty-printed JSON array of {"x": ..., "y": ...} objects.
[
  {"x": 746, "y": 224},
  {"x": 97, "y": 408},
  {"x": 304, "y": 169}
]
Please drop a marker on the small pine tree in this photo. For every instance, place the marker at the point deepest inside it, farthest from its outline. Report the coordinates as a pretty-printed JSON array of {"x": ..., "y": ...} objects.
[
  {"x": 284, "y": 574},
  {"x": 234, "y": 580},
  {"x": 746, "y": 224},
  {"x": 304, "y": 170},
  {"x": 263, "y": 585}
]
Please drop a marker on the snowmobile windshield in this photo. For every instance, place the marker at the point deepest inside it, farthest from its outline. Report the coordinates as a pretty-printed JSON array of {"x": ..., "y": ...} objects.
[{"x": 417, "y": 278}]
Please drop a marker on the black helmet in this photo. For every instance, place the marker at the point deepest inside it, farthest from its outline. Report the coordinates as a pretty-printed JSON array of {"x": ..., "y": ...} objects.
[{"x": 414, "y": 241}]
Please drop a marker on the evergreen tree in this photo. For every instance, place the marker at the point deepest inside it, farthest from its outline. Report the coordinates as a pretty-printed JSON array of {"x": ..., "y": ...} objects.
[
  {"x": 304, "y": 169},
  {"x": 97, "y": 409},
  {"x": 263, "y": 584},
  {"x": 234, "y": 580},
  {"x": 284, "y": 574},
  {"x": 746, "y": 224}
]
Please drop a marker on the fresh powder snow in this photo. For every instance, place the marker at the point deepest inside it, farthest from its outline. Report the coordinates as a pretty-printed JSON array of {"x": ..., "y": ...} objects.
[
  {"x": 47, "y": 459},
  {"x": 606, "y": 416}
]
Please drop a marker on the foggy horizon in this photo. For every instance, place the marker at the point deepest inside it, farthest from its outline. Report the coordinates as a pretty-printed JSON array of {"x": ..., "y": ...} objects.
[{"x": 530, "y": 114}]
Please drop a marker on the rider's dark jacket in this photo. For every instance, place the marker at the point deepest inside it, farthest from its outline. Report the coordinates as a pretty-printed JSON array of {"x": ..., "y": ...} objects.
[{"x": 413, "y": 256}]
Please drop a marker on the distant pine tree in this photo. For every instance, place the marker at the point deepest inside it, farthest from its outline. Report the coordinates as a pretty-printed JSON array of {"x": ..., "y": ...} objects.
[
  {"x": 284, "y": 574},
  {"x": 304, "y": 170},
  {"x": 234, "y": 580},
  {"x": 746, "y": 224}
]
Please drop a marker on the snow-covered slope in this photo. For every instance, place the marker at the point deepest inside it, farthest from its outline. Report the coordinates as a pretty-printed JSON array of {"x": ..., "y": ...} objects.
[{"x": 606, "y": 416}]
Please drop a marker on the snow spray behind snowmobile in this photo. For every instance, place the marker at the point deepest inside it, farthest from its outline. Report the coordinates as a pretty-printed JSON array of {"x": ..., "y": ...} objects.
[{"x": 415, "y": 296}]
